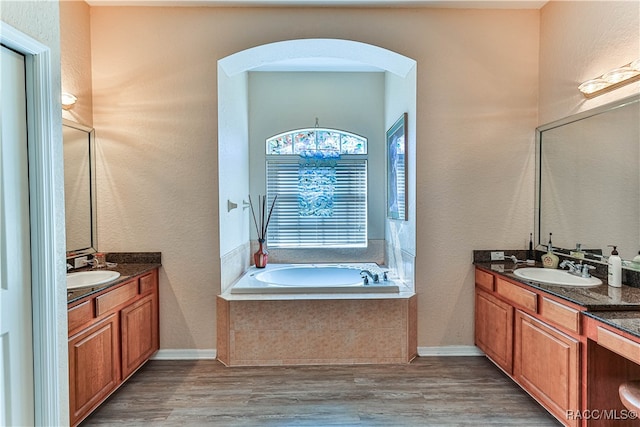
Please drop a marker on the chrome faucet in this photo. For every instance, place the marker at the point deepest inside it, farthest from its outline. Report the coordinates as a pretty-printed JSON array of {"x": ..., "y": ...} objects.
[
  {"x": 374, "y": 277},
  {"x": 571, "y": 265},
  {"x": 577, "y": 269},
  {"x": 585, "y": 270}
]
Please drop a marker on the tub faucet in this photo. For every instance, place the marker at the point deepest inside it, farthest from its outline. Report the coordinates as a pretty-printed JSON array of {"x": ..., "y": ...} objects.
[{"x": 374, "y": 276}]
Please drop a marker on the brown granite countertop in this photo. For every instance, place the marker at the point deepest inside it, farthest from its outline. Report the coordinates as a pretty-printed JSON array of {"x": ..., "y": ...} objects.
[
  {"x": 126, "y": 271},
  {"x": 599, "y": 298},
  {"x": 628, "y": 321}
]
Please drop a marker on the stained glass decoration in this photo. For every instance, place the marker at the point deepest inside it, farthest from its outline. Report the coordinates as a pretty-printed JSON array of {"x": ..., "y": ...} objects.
[
  {"x": 309, "y": 140},
  {"x": 316, "y": 183},
  {"x": 353, "y": 144},
  {"x": 304, "y": 141},
  {"x": 280, "y": 144}
]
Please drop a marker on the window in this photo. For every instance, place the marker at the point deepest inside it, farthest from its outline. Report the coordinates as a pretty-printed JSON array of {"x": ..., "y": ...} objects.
[{"x": 320, "y": 178}]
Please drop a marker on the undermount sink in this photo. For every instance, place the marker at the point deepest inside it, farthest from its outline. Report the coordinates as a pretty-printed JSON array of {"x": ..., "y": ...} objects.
[
  {"x": 550, "y": 276},
  {"x": 90, "y": 278}
]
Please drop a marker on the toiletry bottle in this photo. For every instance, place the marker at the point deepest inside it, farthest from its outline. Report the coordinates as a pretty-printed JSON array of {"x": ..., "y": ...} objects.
[
  {"x": 577, "y": 252},
  {"x": 615, "y": 268},
  {"x": 550, "y": 260},
  {"x": 530, "y": 251}
]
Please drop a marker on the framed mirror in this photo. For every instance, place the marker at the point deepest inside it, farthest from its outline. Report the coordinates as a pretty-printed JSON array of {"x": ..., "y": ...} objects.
[
  {"x": 79, "y": 188},
  {"x": 588, "y": 180}
]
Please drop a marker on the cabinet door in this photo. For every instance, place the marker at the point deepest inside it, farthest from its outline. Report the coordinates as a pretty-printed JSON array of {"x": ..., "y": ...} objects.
[
  {"x": 94, "y": 366},
  {"x": 546, "y": 364},
  {"x": 494, "y": 329},
  {"x": 139, "y": 333}
]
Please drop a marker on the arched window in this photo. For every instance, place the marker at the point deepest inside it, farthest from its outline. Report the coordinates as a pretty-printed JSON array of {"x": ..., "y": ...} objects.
[{"x": 320, "y": 178}]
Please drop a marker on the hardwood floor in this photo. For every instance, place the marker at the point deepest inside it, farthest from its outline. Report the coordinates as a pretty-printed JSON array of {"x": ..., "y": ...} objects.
[{"x": 431, "y": 391}]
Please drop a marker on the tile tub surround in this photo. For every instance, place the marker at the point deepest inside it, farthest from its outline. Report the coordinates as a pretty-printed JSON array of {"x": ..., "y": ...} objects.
[{"x": 316, "y": 331}]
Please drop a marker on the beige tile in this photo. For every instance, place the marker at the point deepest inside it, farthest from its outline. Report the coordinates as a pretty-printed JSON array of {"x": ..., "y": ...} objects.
[
  {"x": 325, "y": 331},
  {"x": 222, "y": 330}
]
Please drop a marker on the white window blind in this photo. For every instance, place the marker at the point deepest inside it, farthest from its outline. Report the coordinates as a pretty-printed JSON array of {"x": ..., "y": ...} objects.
[{"x": 345, "y": 227}]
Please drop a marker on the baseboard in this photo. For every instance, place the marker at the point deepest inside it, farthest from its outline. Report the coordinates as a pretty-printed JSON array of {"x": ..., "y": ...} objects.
[
  {"x": 186, "y": 354},
  {"x": 191, "y": 354},
  {"x": 450, "y": 350}
]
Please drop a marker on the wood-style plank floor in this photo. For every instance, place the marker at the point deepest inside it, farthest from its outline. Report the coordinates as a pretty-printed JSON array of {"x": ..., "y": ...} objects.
[{"x": 431, "y": 391}]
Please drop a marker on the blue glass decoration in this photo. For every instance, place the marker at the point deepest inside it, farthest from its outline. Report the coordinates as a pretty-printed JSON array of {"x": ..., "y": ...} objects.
[
  {"x": 316, "y": 183},
  {"x": 311, "y": 139}
]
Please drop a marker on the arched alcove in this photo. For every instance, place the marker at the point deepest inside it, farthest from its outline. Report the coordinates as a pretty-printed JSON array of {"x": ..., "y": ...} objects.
[{"x": 319, "y": 55}]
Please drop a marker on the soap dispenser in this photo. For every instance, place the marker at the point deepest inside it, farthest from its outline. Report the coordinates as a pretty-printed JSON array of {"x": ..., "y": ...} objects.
[
  {"x": 615, "y": 268},
  {"x": 550, "y": 260}
]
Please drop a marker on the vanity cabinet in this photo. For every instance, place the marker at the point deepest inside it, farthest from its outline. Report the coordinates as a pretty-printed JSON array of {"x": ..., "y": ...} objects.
[
  {"x": 546, "y": 364},
  {"x": 533, "y": 338},
  {"x": 94, "y": 365},
  {"x": 139, "y": 333},
  {"x": 111, "y": 334},
  {"x": 494, "y": 329}
]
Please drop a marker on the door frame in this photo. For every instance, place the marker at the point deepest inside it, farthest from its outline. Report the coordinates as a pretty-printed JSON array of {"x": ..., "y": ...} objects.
[{"x": 46, "y": 200}]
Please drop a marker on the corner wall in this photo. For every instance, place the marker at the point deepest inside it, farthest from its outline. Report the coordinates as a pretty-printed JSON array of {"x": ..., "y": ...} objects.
[
  {"x": 75, "y": 58},
  {"x": 400, "y": 236},
  {"x": 580, "y": 41}
]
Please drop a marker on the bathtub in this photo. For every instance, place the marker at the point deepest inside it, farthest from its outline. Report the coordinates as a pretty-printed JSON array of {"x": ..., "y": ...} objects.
[{"x": 312, "y": 278}]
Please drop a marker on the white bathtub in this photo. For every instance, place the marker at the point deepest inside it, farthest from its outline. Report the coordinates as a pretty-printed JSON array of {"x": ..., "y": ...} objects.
[{"x": 312, "y": 278}]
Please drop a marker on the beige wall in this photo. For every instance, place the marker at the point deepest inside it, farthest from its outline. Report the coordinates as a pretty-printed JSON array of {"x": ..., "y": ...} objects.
[
  {"x": 155, "y": 109},
  {"x": 580, "y": 41},
  {"x": 75, "y": 42}
]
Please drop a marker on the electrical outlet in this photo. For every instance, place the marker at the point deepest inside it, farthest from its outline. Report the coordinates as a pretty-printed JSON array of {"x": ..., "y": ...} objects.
[
  {"x": 80, "y": 262},
  {"x": 497, "y": 256}
]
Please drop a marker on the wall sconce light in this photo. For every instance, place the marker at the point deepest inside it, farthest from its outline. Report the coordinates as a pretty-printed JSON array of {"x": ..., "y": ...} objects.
[
  {"x": 611, "y": 80},
  {"x": 68, "y": 101}
]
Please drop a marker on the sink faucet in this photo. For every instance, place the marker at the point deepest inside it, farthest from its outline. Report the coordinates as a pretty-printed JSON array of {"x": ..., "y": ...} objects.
[
  {"x": 571, "y": 265},
  {"x": 577, "y": 269},
  {"x": 374, "y": 276}
]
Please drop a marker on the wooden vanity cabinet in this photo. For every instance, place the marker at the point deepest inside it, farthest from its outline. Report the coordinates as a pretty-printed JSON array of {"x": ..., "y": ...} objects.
[
  {"x": 546, "y": 363},
  {"x": 533, "y": 338},
  {"x": 111, "y": 334},
  {"x": 494, "y": 329},
  {"x": 139, "y": 328},
  {"x": 94, "y": 366}
]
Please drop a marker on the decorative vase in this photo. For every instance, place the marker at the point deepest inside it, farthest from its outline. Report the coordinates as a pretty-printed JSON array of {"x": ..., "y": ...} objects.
[{"x": 261, "y": 256}]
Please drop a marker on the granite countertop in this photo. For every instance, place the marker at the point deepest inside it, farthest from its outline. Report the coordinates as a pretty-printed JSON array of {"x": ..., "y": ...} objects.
[
  {"x": 599, "y": 298},
  {"x": 127, "y": 270},
  {"x": 627, "y": 321}
]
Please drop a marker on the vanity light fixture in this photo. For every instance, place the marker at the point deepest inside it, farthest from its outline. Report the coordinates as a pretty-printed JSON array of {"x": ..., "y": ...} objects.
[
  {"x": 611, "y": 80},
  {"x": 68, "y": 100}
]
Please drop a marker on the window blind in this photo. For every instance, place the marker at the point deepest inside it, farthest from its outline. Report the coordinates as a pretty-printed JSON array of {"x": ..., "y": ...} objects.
[{"x": 345, "y": 227}]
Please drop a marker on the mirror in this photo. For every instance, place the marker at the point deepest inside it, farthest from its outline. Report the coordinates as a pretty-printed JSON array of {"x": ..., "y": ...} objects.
[
  {"x": 588, "y": 180},
  {"x": 79, "y": 188}
]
